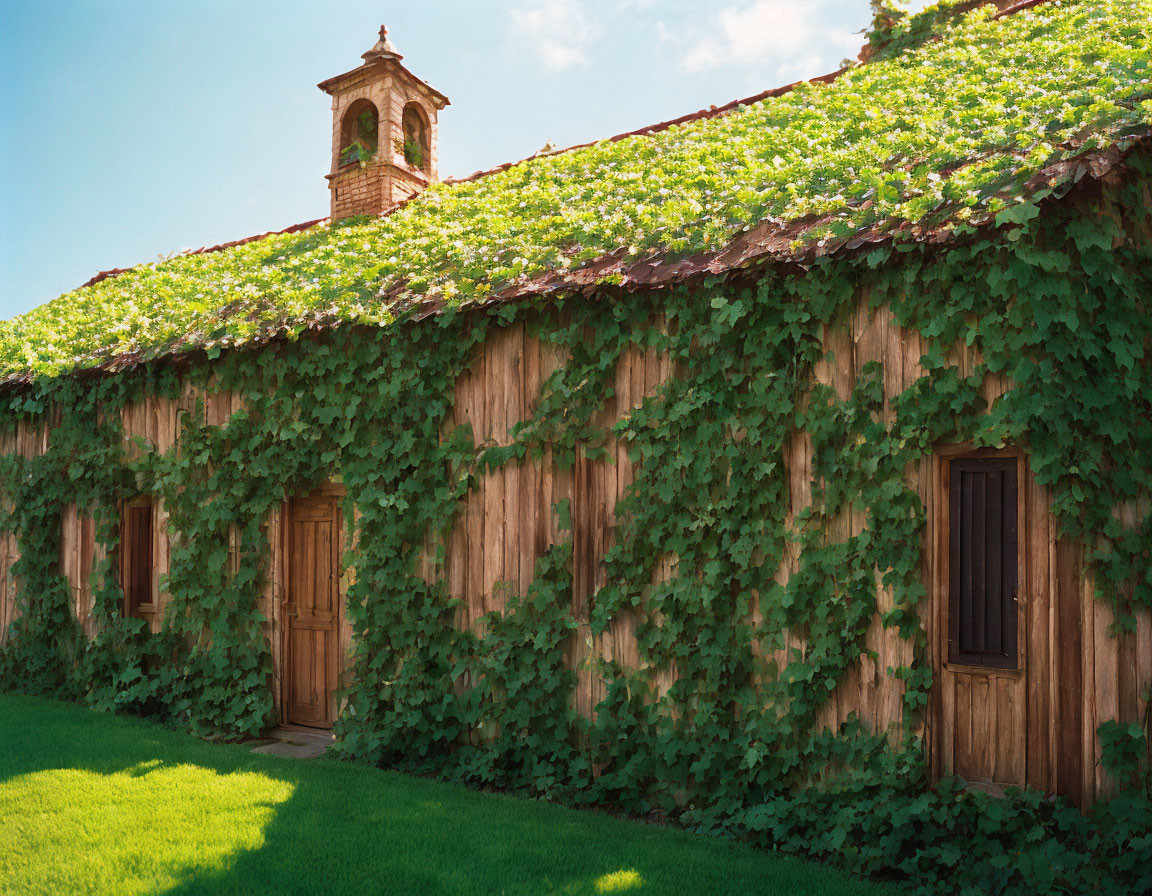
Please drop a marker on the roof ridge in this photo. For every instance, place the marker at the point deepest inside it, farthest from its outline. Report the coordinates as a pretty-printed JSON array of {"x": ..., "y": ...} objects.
[
  {"x": 924, "y": 27},
  {"x": 717, "y": 111},
  {"x": 703, "y": 114}
]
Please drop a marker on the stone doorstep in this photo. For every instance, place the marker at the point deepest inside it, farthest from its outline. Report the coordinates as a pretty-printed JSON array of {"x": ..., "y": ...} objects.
[
  {"x": 993, "y": 790},
  {"x": 299, "y": 743}
]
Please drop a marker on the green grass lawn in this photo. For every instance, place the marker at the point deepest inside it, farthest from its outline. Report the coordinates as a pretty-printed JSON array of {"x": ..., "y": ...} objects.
[{"x": 91, "y": 803}]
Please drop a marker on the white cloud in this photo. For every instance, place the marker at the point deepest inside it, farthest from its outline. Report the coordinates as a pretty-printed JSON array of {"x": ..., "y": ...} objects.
[
  {"x": 559, "y": 32},
  {"x": 783, "y": 36}
]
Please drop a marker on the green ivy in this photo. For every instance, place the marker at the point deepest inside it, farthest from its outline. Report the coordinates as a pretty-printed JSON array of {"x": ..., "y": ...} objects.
[
  {"x": 932, "y": 135},
  {"x": 1057, "y": 302},
  {"x": 955, "y": 842}
]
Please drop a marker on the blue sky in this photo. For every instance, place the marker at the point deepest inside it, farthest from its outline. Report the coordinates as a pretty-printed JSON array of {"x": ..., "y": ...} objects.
[{"x": 129, "y": 130}]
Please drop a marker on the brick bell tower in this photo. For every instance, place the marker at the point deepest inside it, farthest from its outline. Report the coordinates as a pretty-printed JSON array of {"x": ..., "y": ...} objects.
[{"x": 383, "y": 133}]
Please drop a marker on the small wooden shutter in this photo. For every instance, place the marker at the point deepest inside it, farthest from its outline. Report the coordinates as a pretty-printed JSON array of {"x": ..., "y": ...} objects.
[
  {"x": 982, "y": 564},
  {"x": 136, "y": 559}
]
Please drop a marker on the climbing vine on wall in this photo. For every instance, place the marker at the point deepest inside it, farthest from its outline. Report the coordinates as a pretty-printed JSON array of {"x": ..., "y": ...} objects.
[{"x": 1057, "y": 302}]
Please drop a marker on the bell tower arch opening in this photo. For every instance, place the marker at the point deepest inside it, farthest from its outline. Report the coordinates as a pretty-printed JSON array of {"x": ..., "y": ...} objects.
[
  {"x": 417, "y": 146},
  {"x": 359, "y": 133}
]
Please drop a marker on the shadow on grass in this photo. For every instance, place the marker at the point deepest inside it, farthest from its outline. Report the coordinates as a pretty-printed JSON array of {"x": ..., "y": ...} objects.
[{"x": 304, "y": 826}]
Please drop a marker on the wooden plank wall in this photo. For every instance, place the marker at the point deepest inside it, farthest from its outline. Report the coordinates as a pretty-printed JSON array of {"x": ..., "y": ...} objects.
[
  {"x": 79, "y": 552},
  {"x": 8, "y": 556},
  {"x": 508, "y": 521},
  {"x": 27, "y": 440},
  {"x": 866, "y": 690},
  {"x": 1036, "y": 728}
]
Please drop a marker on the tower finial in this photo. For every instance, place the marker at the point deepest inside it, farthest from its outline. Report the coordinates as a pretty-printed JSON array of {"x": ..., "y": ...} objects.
[{"x": 383, "y": 48}]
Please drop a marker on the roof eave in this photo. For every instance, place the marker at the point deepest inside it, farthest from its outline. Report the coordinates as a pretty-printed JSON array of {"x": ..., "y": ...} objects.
[{"x": 330, "y": 85}]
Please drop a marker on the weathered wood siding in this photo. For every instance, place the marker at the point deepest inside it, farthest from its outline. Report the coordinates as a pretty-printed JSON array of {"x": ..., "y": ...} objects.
[
  {"x": 8, "y": 556},
  {"x": 27, "y": 441},
  {"x": 507, "y": 521},
  {"x": 1035, "y": 726}
]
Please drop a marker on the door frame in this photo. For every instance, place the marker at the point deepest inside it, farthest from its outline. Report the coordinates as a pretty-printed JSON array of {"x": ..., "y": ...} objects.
[
  {"x": 335, "y": 490},
  {"x": 940, "y": 521},
  {"x": 147, "y": 610}
]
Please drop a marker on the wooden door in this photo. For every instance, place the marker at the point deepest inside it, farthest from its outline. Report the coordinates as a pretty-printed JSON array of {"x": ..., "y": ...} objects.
[
  {"x": 138, "y": 560},
  {"x": 312, "y": 610},
  {"x": 983, "y": 676}
]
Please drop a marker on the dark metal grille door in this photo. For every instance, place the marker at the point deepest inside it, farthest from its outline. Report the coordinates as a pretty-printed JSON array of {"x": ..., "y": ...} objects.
[{"x": 982, "y": 567}]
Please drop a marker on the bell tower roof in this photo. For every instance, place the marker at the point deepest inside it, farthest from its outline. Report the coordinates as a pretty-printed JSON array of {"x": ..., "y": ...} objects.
[{"x": 383, "y": 54}]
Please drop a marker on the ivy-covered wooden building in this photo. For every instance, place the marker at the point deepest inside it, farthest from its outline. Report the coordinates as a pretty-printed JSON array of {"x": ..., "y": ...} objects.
[{"x": 806, "y": 434}]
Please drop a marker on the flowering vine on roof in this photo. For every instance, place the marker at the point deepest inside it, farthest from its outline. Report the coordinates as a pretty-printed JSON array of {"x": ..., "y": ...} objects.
[{"x": 972, "y": 122}]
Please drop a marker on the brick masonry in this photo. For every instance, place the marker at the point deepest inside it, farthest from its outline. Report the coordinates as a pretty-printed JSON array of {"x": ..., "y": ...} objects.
[{"x": 387, "y": 178}]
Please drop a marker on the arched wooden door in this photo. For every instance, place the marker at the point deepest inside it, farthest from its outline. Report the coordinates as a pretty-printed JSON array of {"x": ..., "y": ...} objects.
[{"x": 312, "y": 609}]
